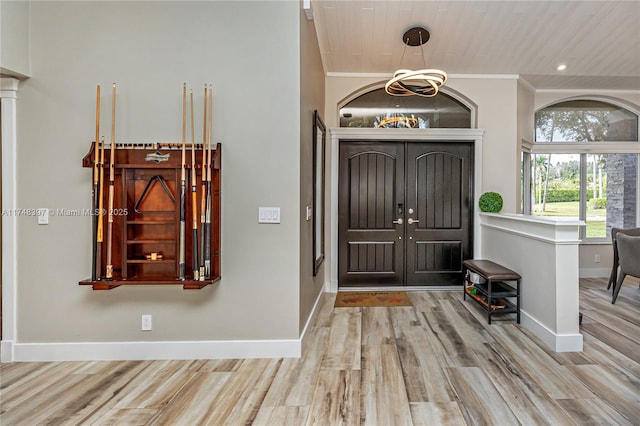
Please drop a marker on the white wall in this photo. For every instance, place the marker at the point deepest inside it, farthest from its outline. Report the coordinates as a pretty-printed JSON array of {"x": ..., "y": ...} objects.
[
  {"x": 14, "y": 38},
  {"x": 249, "y": 51},
  {"x": 544, "y": 98}
]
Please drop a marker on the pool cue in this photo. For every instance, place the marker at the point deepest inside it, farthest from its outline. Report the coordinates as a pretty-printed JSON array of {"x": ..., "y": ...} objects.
[
  {"x": 194, "y": 198},
  {"x": 183, "y": 184},
  {"x": 207, "y": 245},
  {"x": 203, "y": 183},
  {"x": 100, "y": 236},
  {"x": 96, "y": 181},
  {"x": 109, "y": 273}
]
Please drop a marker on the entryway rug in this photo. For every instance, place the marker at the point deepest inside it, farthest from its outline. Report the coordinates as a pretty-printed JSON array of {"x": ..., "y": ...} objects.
[{"x": 349, "y": 299}]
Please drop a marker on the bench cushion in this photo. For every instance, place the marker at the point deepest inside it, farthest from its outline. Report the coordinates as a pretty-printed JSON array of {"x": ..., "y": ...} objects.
[{"x": 490, "y": 270}]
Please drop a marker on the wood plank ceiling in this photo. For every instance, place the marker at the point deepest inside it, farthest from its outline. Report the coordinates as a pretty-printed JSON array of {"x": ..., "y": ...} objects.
[{"x": 599, "y": 41}]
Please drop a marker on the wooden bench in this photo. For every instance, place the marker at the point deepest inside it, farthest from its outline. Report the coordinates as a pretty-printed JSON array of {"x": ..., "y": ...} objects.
[{"x": 495, "y": 293}]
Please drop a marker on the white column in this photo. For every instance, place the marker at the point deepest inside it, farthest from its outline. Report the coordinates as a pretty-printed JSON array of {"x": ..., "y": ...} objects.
[{"x": 8, "y": 97}]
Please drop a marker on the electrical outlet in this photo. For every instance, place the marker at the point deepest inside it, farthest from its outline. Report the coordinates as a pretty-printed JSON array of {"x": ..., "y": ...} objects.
[
  {"x": 147, "y": 323},
  {"x": 596, "y": 258},
  {"x": 43, "y": 216}
]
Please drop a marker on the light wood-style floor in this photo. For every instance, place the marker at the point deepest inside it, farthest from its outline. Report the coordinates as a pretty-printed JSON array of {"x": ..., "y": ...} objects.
[{"x": 437, "y": 362}]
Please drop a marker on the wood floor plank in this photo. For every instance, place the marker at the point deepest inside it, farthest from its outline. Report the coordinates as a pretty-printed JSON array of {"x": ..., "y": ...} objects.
[
  {"x": 592, "y": 412},
  {"x": 425, "y": 380},
  {"x": 195, "y": 401},
  {"x": 73, "y": 397},
  {"x": 377, "y": 328},
  {"x": 325, "y": 311},
  {"x": 19, "y": 372},
  {"x": 281, "y": 415},
  {"x": 156, "y": 385},
  {"x": 618, "y": 391},
  {"x": 96, "y": 399},
  {"x": 342, "y": 353},
  {"x": 608, "y": 356},
  {"x": 216, "y": 365},
  {"x": 437, "y": 362},
  {"x": 127, "y": 416},
  {"x": 436, "y": 413},
  {"x": 555, "y": 379},
  {"x": 527, "y": 400},
  {"x": 480, "y": 401},
  {"x": 295, "y": 381},
  {"x": 240, "y": 399},
  {"x": 446, "y": 335},
  {"x": 622, "y": 342},
  {"x": 22, "y": 390},
  {"x": 336, "y": 400},
  {"x": 383, "y": 393}
]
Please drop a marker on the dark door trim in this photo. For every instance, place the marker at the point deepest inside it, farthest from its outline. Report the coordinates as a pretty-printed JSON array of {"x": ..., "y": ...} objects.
[{"x": 337, "y": 135}]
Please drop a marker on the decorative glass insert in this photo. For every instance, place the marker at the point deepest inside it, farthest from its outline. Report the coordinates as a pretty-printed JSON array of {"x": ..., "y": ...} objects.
[{"x": 378, "y": 109}]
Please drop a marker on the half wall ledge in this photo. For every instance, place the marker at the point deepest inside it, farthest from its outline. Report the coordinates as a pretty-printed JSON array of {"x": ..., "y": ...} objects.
[{"x": 545, "y": 251}]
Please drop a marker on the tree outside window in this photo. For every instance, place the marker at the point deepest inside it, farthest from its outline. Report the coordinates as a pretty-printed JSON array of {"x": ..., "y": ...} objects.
[{"x": 598, "y": 187}]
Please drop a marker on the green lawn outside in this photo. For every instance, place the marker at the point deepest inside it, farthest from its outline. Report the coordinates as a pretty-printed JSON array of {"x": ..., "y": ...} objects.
[
  {"x": 566, "y": 209},
  {"x": 595, "y": 228}
]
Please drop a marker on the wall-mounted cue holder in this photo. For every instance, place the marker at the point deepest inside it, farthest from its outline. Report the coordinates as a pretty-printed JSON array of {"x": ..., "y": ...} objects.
[{"x": 161, "y": 235}]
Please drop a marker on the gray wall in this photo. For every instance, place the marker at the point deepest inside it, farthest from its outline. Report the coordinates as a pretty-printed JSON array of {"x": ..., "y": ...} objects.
[
  {"x": 312, "y": 98},
  {"x": 250, "y": 51},
  {"x": 14, "y": 38}
]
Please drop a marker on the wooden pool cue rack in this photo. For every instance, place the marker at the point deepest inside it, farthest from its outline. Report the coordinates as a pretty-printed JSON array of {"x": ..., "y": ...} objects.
[{"x": 145, "y": 246}]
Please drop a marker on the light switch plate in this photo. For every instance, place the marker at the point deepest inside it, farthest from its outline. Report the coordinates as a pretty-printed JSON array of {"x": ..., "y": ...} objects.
[
  {"x": 308, "y": 212},
  {"x": 268, "y": 214}
]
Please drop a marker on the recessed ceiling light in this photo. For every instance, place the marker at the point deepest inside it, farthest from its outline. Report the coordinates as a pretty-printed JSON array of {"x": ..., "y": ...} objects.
[{"x": 562, "y": 67}]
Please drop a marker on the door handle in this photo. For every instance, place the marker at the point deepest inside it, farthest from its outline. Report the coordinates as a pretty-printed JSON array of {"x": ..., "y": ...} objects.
[
  {"x": 412, "y": 221},
  {"x": 399, "y": 221}
]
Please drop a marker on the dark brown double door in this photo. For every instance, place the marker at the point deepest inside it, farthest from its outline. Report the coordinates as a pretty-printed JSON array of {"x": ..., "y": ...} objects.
[{"x": 404, "y": 213}]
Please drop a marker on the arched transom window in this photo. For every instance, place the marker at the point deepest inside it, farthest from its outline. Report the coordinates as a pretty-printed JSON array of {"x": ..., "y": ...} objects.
[
  {"x": 584, "y": 165},
  {"x": 378, "y": 109}
]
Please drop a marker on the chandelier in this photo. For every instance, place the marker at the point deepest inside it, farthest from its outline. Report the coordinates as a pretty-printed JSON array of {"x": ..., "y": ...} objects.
[{"x": 425, "y": 82}]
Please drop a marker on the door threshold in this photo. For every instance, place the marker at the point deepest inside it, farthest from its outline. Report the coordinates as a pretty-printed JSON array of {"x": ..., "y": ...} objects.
[{"x": 402, "y": 288}]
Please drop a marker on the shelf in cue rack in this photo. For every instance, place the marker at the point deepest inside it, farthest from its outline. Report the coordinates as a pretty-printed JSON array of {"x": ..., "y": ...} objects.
[
  {"x": 154, "y": 241},
  {"x": 186, "y": 284},
  {"x": 150, "y": 222}
]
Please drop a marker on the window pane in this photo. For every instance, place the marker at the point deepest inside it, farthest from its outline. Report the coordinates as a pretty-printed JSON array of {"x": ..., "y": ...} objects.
[
  {"x": 585, "y": 121},
  {"x": 555, "y": 179},
  {"x": 379, "y": 109},
  {"x": 596, "y": 196}
]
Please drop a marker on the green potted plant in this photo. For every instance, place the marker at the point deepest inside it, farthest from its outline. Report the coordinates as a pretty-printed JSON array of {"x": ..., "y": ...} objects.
[{"x": 490, "y": 202}]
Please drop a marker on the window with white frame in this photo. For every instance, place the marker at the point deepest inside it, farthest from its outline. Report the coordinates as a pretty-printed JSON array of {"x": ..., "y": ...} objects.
[{"x": 584, "y": 165}]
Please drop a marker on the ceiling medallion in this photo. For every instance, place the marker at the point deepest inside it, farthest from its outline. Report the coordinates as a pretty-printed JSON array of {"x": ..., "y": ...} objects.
[{"x": 425, "y": 82}]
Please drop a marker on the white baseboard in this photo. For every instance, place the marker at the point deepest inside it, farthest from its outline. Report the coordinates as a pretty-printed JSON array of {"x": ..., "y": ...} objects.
[
  {"x": 11, "y": 351},
  {"x": 557, "y": 342},
  {"x": 117, "y": 351},
  {"x": 6, "y": 351},
  {"x": 311, "y": 320},
  {"x": 594, "y": 272}
]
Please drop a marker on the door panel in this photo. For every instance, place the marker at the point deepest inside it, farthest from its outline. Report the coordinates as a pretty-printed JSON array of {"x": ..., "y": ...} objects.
[
  {"x": 371, "y": 190},
  {"x": 438, "y": 192},
  {"x": 427, "y": 184}
]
